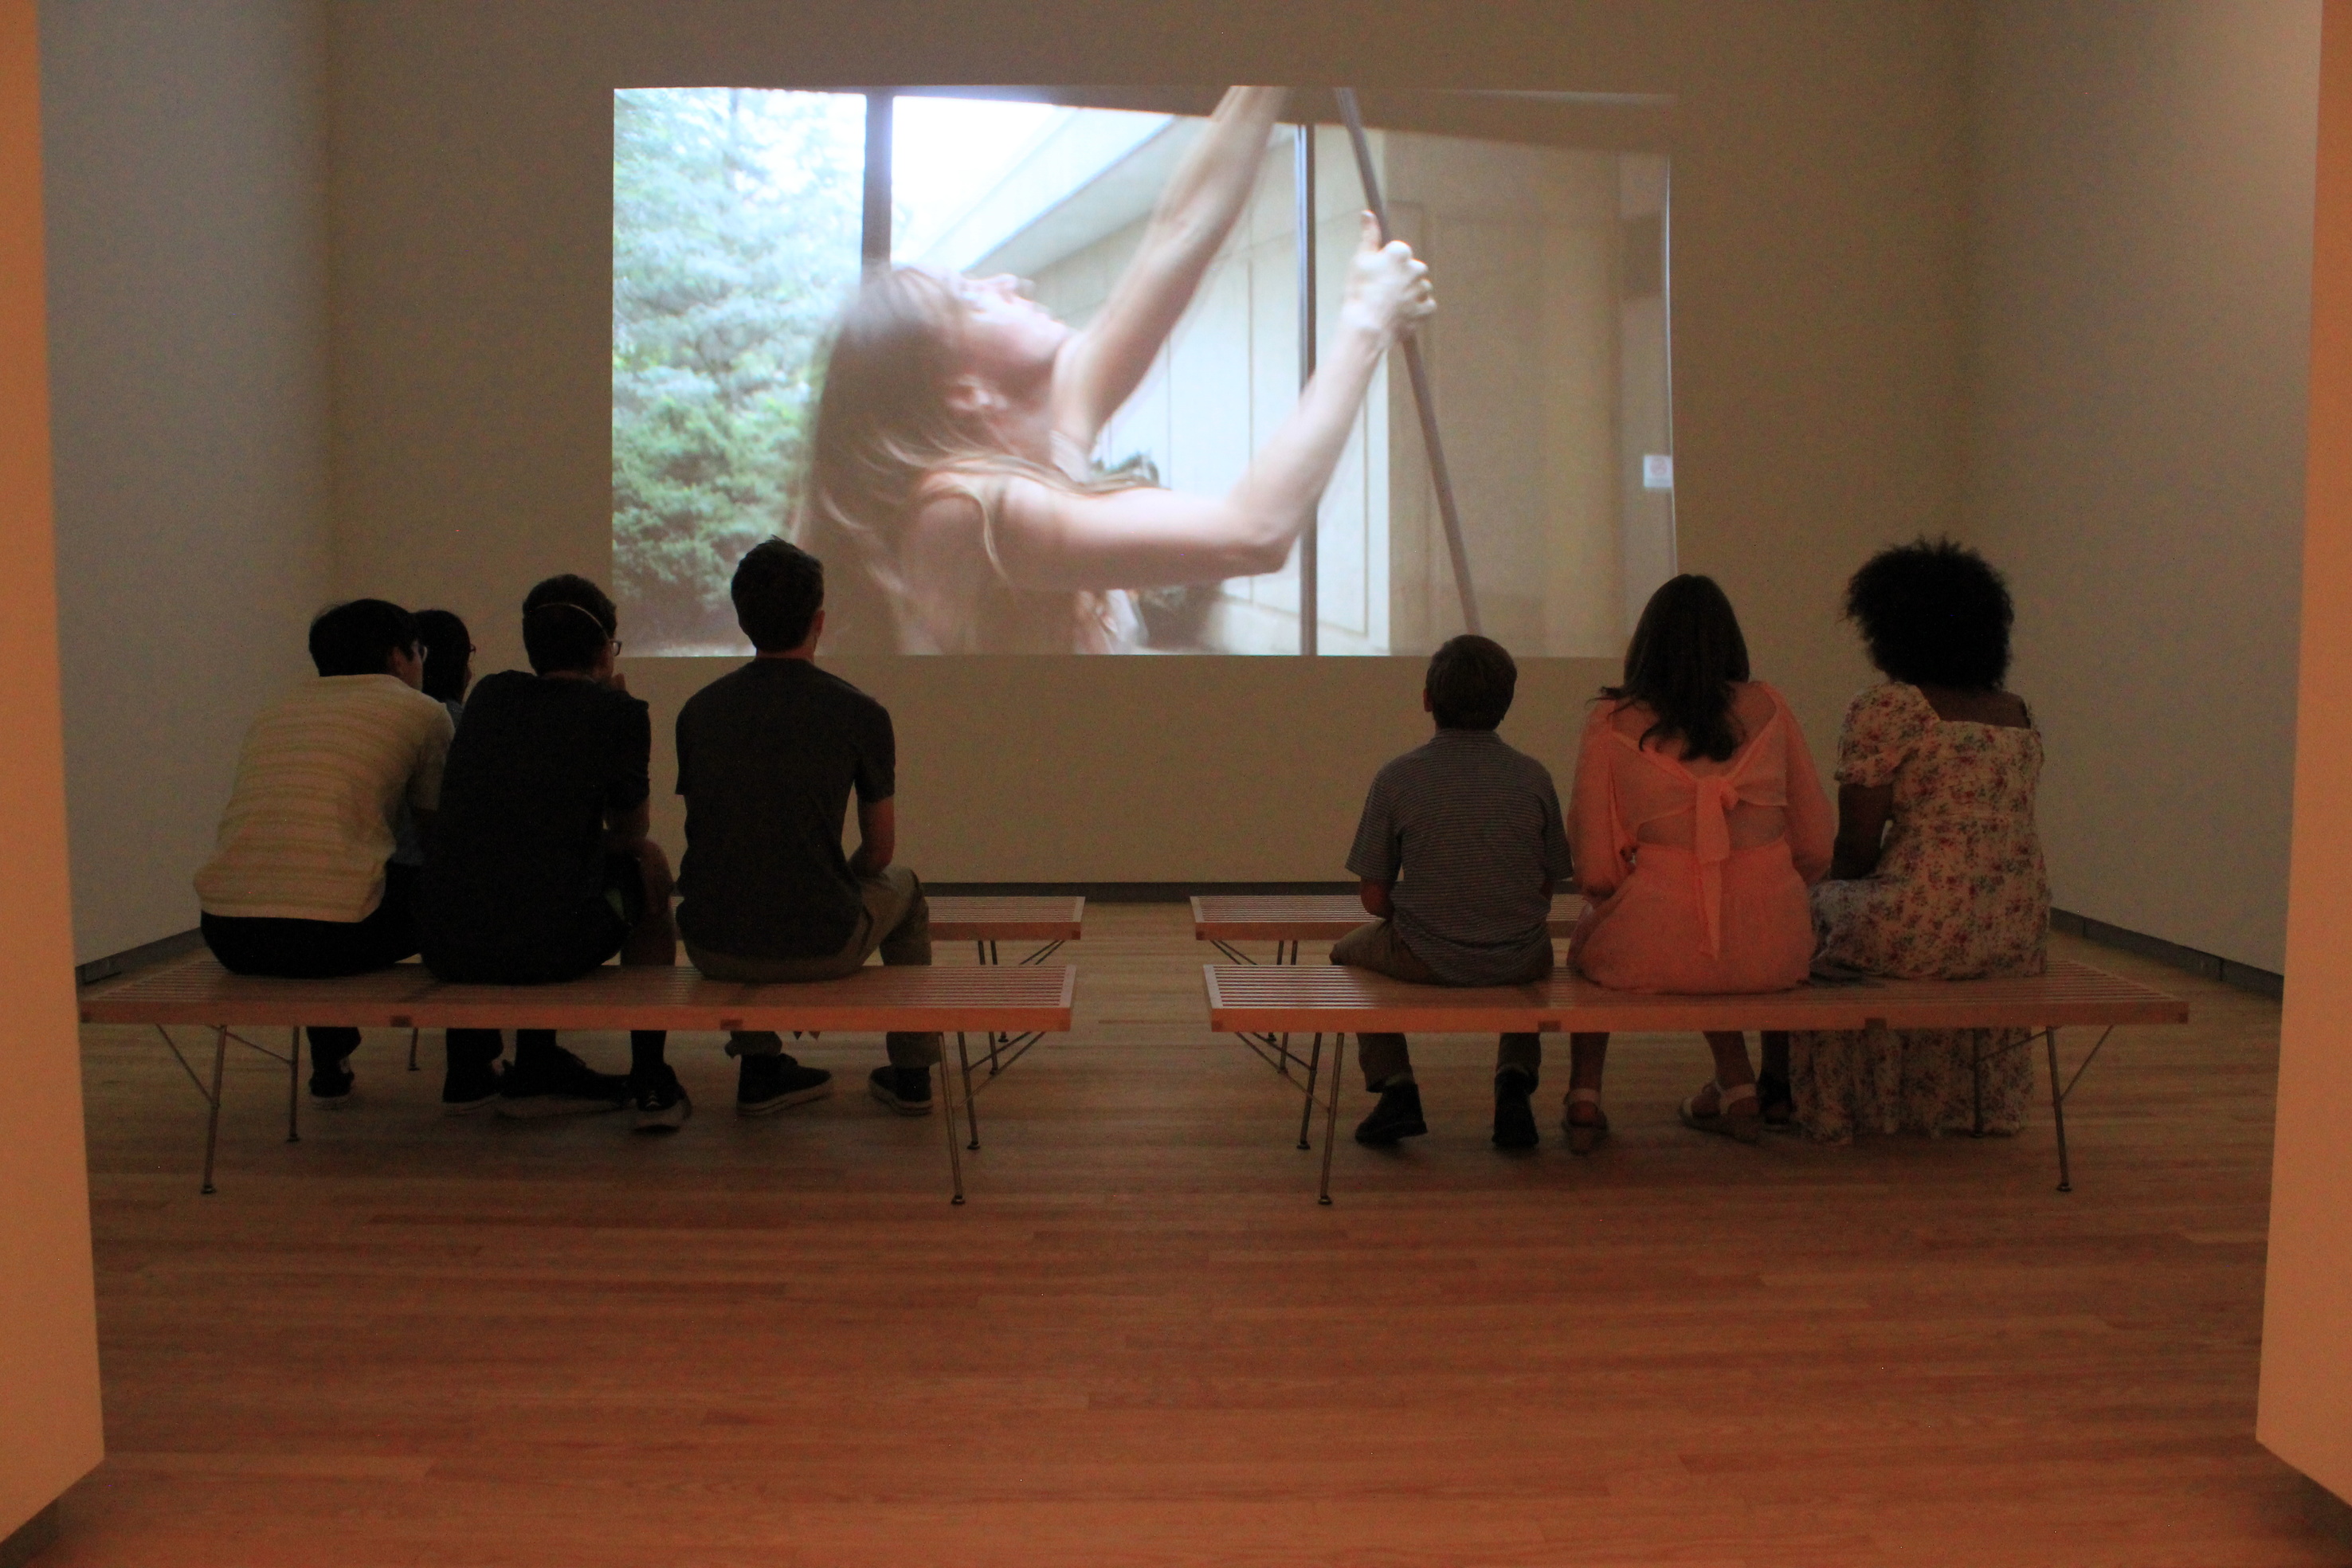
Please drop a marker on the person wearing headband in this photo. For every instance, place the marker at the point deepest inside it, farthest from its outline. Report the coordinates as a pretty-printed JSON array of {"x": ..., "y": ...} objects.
[{"x": 538, "y": 867}]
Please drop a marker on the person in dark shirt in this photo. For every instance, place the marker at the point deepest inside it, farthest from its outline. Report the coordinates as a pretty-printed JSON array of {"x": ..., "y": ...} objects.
[
  {"x": 539, "y": 869},
  {"x": 1459, "y": 849},
  {"x": 768, "y": 757}
]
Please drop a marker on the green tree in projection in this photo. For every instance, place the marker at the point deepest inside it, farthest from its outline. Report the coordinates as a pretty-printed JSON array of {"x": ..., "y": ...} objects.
[{"x": 735, "y": 237}]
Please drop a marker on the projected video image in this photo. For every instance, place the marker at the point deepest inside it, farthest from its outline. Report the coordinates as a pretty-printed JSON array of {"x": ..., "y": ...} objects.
[{"x": 1024, "y": 367}]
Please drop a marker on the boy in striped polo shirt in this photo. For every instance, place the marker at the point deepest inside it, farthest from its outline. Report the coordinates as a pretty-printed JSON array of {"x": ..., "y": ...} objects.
[
  {"x": 301, "y": 883},
  {"x": 1459, "y": 848}
]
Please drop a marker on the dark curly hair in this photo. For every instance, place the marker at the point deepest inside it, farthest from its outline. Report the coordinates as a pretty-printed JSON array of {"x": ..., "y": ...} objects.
[
  {"x": 1934, "y": 612},
  {"x": 1686, "y": 652}
]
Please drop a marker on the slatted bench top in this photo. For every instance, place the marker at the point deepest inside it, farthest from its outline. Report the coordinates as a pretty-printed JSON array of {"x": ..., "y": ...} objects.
[
  {"x": 960, "y": 997},
  {"x": 1007, "y": 918},
  {"x": 1321, "y": 997},
  {"x": 1312, "y": 917}
]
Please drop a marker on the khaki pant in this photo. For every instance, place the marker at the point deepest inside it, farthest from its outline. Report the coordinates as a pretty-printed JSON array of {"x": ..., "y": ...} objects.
[
  {"x": 897, "y": 922},
  {"x": 1384, "y": 1058}
]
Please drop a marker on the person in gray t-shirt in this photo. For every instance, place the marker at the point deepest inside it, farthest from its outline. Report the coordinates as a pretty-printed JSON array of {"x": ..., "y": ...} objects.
[{"x": 1459, "y": 849}]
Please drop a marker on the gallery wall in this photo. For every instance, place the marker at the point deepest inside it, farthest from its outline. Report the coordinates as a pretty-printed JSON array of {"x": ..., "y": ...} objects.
[
  {"x": 186, "y": 164},
  {"x": 2141, "y": 257},
  {"x": 1819, "y": 188}
]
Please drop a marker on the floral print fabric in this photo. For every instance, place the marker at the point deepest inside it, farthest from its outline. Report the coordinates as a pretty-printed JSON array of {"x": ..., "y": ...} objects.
[{"x": 1960, "y": 892}]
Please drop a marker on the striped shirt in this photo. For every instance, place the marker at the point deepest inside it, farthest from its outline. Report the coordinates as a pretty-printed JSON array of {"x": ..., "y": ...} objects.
[
  {"x": 1468, "y": 830},
  {"x": 320, "y": 786}
]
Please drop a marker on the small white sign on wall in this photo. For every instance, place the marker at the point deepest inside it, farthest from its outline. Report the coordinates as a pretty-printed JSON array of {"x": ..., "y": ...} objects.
[{"x": 1657, "y": 470}]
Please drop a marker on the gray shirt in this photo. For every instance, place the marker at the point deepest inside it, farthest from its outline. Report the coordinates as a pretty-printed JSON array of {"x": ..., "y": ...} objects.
[{"x": 1469, "y": 831}]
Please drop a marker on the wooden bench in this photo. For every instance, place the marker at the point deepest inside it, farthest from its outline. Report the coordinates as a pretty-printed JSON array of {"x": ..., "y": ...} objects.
[
  {"x": 951, "y": 1000},
  {"x": 1286, "y": 920},
  {"x": 985, "y": 919},
  {"x": 1321, "y": 999}
]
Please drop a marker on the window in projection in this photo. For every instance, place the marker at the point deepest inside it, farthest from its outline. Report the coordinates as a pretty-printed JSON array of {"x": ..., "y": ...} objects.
[{"x": 739, "y": 219}]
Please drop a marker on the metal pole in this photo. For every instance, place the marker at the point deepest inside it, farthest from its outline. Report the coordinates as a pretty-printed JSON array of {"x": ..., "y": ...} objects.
[
  {"x": 1310, "y": 598},
  {"x": 1306, "y": 1111},
  {"x": 212, "y": 1123},
  {"x": 1331, "y": 1120},
  {"x": 874, "y": 238},
  {"x": 947, "y": 1111},
  {"x": 2058, "y": 1111},
  {"x": 970, "y": 1110},
  {"x": 1424, "y": 399},
  {"x": 293, "y": 1085}
]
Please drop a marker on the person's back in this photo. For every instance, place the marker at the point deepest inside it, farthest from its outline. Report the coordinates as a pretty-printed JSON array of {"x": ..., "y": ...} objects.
[
  {"x": 769, "y": 757},
  {"x": 1457, "y": 852},
  {"x": 1697, "y": 865},
  {"x": 313, "y": 817},
  {"x": 1467, "y": 828},
  {"x": 519, "y": 855}
]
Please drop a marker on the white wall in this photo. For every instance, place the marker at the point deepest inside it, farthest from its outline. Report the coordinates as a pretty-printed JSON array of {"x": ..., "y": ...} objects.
[
  {"x": 2142, "y": 266},
  {"x": 187, "y": 168}
]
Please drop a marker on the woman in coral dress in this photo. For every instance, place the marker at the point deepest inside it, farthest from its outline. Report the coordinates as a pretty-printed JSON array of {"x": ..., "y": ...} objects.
[
  {"x": 1698, "y": 823},
  {"x": 1938, "y": 871}
]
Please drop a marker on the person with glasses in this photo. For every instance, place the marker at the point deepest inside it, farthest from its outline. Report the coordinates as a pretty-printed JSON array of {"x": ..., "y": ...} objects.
[
  {"x": 302, "y": 882},
  {"x": 538, "y": 867}
]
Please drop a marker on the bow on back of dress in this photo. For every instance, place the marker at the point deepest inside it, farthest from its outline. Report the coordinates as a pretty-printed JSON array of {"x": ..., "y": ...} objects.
[{"x": 1713, "y": 795}]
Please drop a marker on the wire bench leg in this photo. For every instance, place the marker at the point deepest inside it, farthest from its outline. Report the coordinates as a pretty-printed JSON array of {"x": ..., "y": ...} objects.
[
  {"x": 1306, "y": 1111},
  {"x": 294, "y": 1086},
  {"x": 212, "y": 1122},
  {"x": 2058, "y": 1111},
  {"x": 947, "y": 1112},
  {"x": 971, "y": 1106},
  {"x": 1331, "y": 1116},
  {"x": 411, "y": 1049}
]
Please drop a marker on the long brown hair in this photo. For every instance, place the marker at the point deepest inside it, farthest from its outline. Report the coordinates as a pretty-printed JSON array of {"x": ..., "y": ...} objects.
[
  {"x": 1686, "y": 654},
  {"x": 884, "y": 426}
]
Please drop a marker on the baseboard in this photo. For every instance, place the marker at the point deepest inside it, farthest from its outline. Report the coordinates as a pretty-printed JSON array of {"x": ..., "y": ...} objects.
[
  {"x": 2228, "y": 971},
  {"x": 30, "y": 1538},
  {"x": 1128, "y": 892},
  {"x": 145, "y": 955}
]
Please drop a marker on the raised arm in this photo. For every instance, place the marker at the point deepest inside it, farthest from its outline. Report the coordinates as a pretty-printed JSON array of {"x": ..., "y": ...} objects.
[
  {"x": 1052, "y": 538},
  {"x": 1101, "y": 366}
]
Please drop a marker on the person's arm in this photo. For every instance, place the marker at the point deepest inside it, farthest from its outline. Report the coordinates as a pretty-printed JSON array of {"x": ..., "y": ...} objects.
[
  {"x": 877, "y": 836},
  {"x": 1593, "y": 816},
  {"x": 1050, "y": 538},
  {"x": 1808, "y": 826},
  {"x": 1863, "y": 814},
  {"x": 1099, "y": 367},
  {"x": 1377, "y": 898}
]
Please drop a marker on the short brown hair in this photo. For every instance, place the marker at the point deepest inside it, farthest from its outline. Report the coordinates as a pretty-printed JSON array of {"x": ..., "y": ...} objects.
[{"x": 1471, "y": 679}]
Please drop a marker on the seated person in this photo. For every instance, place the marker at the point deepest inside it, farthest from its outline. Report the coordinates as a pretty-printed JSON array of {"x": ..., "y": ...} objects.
[
  {"x": 301, "y": 883},
  {"x": 768, "y": 757},
  {"x": 1938, "y": 871},
  {"x": 447, "y": 650},
  {"x": 1698, "y": 823},
  {"x": 538, "y": 867},
  {"x": 1459, "y": 849}
]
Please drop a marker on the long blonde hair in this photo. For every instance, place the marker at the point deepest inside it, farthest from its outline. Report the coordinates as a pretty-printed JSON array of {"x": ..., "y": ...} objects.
[{"x": 884, "y": 428}]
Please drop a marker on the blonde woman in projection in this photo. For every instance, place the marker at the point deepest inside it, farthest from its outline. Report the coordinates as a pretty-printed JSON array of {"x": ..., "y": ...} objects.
[{"x": 950, "y": 484}]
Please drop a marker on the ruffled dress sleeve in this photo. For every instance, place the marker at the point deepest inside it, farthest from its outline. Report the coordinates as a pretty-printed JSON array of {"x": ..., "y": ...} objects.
[{"x": 1883, "y": 726}]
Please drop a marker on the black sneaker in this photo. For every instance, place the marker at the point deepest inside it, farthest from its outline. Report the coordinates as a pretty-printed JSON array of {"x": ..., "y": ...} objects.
[
  {"x": 661, "y": 1101},
  {"x": 1514, "y": 1119},
  {"x": 768, "y": 1083},
  {"x": 332, "y": 1086},
  {"x": 558, "y": 1083},
  {"x": 1397, "y": 1116},
  {"x": 907, "y": 1090},
  {"x": 465, "y": 1091}
]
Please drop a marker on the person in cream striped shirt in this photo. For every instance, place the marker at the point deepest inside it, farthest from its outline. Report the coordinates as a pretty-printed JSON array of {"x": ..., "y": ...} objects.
[{"x": 301, "y": 883}]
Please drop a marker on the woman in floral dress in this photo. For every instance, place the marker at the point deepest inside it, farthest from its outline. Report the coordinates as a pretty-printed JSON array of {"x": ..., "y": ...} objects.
[{"x": 1938, "y": 873}]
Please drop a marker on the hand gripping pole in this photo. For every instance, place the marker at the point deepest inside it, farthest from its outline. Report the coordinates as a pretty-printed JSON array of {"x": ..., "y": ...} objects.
[{"x": 1424, "y": 400}]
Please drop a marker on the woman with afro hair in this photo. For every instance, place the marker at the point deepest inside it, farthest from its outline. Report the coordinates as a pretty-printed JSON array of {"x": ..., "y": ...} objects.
[{"x": 1938, "y": 872}]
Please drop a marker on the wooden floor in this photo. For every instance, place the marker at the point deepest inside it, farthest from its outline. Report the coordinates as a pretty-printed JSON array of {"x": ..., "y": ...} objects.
[{"x": 412, "y": 1339}]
